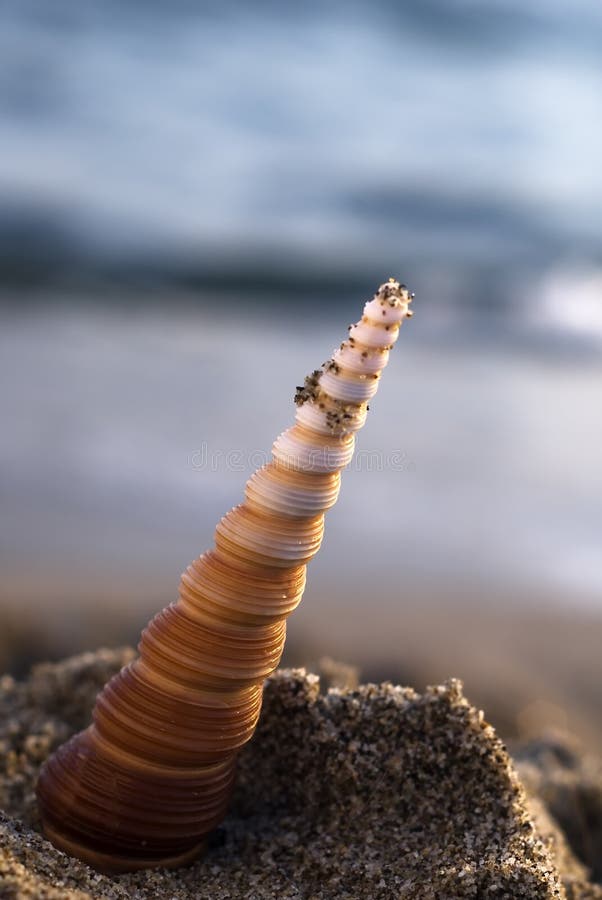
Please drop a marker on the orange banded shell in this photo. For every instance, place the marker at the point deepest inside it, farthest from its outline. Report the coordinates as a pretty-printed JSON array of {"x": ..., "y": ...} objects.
[{"x": 152, "y": 775}]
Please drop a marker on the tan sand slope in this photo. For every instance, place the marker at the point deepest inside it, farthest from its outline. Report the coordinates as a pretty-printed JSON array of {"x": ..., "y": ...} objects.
[{"x": 376, "y": 792}]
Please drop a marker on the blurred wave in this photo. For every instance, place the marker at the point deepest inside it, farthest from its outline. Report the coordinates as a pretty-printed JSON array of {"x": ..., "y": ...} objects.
[{"x": 290, "y": 146}]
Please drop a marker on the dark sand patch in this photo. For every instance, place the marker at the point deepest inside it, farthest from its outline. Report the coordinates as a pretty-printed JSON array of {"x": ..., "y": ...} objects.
[
  {"x": 372, "y": 793},
  {"x": 555, "y": 768}
]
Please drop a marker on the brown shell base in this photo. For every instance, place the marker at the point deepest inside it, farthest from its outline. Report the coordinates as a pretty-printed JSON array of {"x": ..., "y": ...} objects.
[
  {"x": 119, "y": 812},
  {"x": 110, "y": 864}
]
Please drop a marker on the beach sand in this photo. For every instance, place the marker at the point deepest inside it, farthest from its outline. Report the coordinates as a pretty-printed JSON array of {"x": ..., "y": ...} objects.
[
  {"x": 531, "y": 666},
  {"x": 366, "y": 792}
]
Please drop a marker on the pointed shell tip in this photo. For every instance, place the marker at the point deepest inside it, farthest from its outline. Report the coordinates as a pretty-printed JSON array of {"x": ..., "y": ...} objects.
[{"x": 394, "y": 293}]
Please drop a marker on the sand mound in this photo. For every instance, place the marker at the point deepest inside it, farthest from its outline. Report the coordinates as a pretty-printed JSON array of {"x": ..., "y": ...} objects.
[{"x": 376, "y": 792}]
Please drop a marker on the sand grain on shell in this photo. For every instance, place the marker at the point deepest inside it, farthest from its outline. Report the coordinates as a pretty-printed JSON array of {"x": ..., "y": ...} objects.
[{"x": 370, "y": 793}]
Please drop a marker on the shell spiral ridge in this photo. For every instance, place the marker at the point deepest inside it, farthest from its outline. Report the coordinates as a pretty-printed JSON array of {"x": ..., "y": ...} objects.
[{"x": 152, "y": 775}]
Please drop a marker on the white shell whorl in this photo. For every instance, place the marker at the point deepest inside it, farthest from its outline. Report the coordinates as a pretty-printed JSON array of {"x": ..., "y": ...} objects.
[
  {"x": 302, "y": 450},
  {"x": 303, "y": 480},
  {"x": 313, "y": 415},
  {"x": 274, "y": 489},
  {"x": 280, "y": 522},
  {"x": 333, "y": 400}
]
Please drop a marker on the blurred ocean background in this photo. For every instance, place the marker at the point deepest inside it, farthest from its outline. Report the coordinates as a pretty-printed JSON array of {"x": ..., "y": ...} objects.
[{"x": 195, "y": 201}]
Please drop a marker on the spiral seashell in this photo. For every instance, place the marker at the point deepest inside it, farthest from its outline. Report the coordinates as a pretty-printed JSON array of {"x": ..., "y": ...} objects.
[{"x": 147, "y": 781}]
